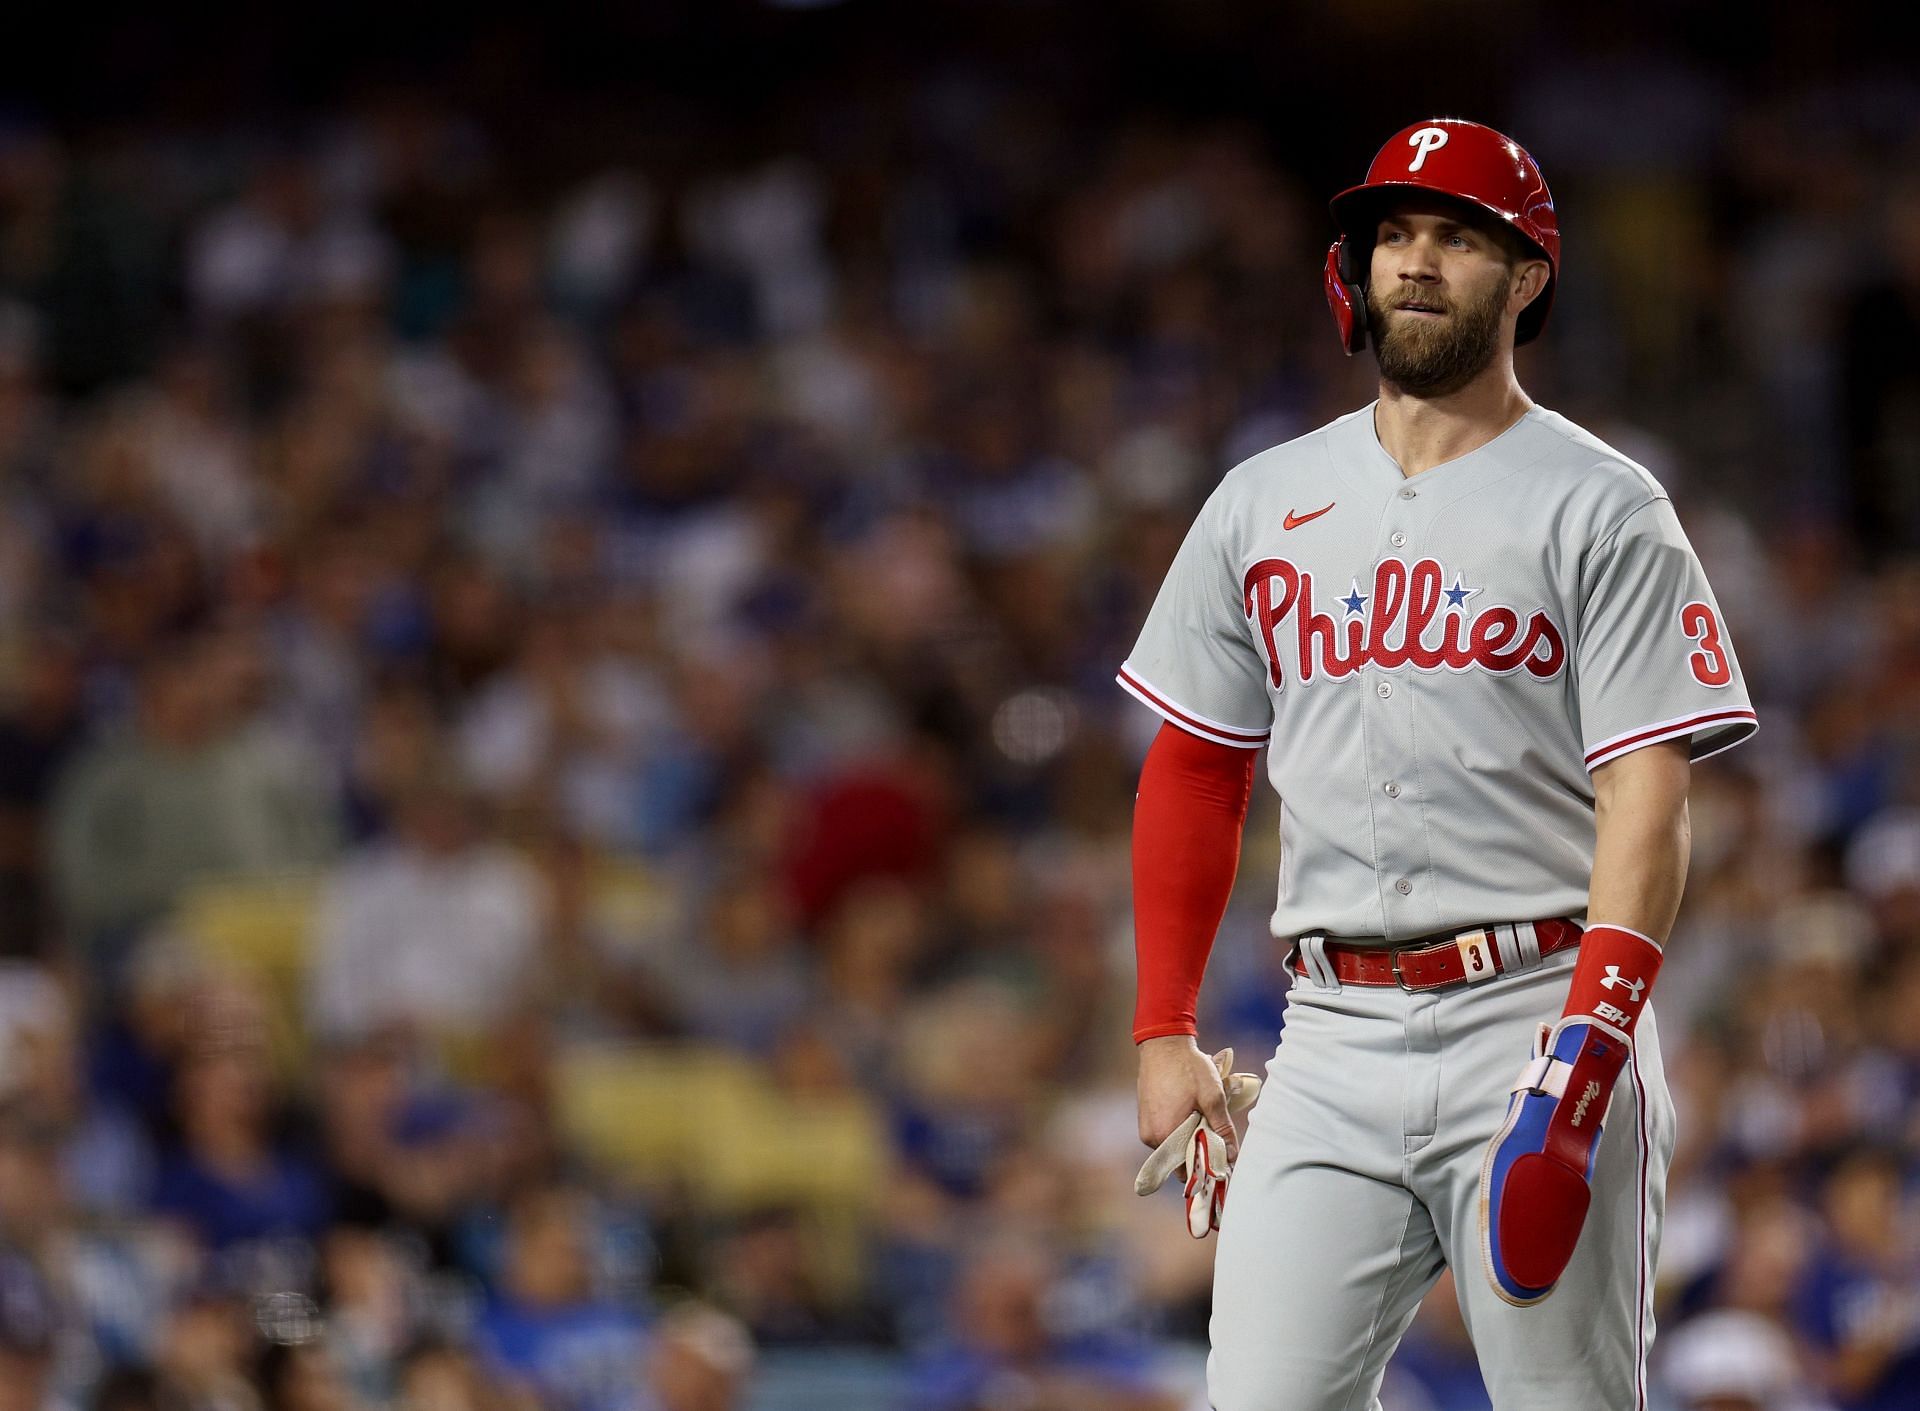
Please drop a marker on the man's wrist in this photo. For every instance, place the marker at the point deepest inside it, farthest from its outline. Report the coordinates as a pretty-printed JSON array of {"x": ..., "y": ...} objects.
[
  {"x": 1613, "y": 980},
  {"x": 1167, "y": 1036}
]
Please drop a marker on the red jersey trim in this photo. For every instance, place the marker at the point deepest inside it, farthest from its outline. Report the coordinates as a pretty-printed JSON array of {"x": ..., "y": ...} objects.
[
  {"x": 1679, "y": 725},
  {"x": 1214, "y": 730}
]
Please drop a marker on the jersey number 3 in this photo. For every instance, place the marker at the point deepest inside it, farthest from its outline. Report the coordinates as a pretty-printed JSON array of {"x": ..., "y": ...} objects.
[{"x": 1709, "y": 665}]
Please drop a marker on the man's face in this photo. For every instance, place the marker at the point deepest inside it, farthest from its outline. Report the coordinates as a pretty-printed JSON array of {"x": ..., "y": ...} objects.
[{"x": 1437, "y": 299}]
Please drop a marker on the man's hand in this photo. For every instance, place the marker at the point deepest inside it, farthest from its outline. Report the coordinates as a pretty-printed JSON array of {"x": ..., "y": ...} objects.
[
  {"x": 1177, "y": 1077},
  {"x": 1177, "y": 1080}
]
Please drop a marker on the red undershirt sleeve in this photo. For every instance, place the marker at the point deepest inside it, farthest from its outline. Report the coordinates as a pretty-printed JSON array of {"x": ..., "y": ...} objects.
[{"x": 1187, "y": 821}]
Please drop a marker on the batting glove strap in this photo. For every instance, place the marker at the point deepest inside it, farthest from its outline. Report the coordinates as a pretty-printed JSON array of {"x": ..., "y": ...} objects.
[
  {"x": 1544, "y": 1074},
  {"x": 1534, "y": 1184}
]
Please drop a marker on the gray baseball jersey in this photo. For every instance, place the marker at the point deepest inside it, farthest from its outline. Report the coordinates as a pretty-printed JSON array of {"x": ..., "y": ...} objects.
[{"x": 1441, "y": 661}]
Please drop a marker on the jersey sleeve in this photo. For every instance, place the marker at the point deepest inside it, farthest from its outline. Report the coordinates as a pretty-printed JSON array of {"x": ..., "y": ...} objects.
[
  {"x": 1195, "y": 661},
  {"x": 1654, "y": 661}
]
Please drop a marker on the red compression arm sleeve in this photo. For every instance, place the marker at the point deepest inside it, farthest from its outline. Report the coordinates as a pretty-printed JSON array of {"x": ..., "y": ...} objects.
[{"x": 1187, "y": 821}]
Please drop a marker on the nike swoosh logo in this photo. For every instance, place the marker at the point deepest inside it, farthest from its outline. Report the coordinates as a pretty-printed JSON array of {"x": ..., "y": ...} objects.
[{"x": 1294, "y": 521}]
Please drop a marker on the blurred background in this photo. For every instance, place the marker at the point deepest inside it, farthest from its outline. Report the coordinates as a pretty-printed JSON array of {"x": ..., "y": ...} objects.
[{"x": 563, "y": 811}]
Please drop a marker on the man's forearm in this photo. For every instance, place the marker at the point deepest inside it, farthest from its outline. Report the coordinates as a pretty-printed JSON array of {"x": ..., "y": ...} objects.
[
  {"x": 1642, "y": 840},
  {"x": 1537, "y": 1171},
  {"x": 1188, "y": 816}
]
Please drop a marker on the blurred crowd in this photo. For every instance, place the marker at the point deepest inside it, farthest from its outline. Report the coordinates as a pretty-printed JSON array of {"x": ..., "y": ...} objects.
[{"x": 563, "y": 812}]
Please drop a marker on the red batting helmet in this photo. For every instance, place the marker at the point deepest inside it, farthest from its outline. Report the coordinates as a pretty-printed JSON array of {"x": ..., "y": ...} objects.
[{"x": 1444, "y": 157}]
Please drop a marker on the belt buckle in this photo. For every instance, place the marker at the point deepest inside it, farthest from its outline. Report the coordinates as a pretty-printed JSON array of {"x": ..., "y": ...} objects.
[{"x": 1399, "y": 976}]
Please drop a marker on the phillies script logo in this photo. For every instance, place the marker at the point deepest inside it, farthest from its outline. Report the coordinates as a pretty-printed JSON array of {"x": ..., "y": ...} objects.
[{"x": 1410, "y": 618}]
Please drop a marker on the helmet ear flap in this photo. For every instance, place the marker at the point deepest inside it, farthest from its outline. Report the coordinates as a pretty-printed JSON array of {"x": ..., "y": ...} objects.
[
  {"x": 1353, "y": 267},
  {"x": 1347, "y": 295}
]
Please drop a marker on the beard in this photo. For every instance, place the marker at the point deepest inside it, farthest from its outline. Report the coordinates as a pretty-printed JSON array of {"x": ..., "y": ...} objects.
[{"x": 1436, "y": 357}]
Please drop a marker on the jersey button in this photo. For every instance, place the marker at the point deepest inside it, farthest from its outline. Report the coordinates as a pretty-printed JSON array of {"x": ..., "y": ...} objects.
[
  {"x": 1408, "y": 493},
  {"x": 1391, "y": 789},
  {"x": 1383, "y": 689},
  {"x": 1403, "y": 886},
  {"x": 1397, "y": 539}
]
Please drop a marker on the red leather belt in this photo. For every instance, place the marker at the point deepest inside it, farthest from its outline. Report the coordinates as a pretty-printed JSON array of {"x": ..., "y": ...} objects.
[{"x": 1471, "y": 956}]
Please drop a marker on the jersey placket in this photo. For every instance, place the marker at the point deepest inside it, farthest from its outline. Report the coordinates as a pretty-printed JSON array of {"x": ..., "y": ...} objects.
[{"x": 1402, "y": 867}]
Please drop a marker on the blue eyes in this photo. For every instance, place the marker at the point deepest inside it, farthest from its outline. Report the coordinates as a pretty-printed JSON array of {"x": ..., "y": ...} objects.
[{"x": 1457, "y": 242}]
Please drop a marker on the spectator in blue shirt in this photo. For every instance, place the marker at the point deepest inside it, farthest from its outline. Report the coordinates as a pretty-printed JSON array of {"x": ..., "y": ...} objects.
[
  {"x": 1859, "y": 1300},
  {"x": 228, "y": 1178},
  {"x": 547, "y": 1326},
  {"x": 1007, "y": 1350}
]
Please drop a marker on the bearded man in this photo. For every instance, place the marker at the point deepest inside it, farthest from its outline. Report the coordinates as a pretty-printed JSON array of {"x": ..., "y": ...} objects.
[{"x": 1483, "y": 656}]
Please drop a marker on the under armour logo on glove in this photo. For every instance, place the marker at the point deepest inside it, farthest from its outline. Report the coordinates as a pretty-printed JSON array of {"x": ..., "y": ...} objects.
[
  {"x": 1632, "y": 987},
  {"x": 1201, "y": 1153}
]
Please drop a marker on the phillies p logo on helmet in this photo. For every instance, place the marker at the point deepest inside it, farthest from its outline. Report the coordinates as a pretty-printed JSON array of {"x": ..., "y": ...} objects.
[
  {"x": 1427, "y": 139},
  {"x": 1483, "y": 169}
]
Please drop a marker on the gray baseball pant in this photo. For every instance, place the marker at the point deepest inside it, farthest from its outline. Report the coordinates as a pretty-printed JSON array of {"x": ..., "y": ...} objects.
[{"x": 1359, "y": 1177}]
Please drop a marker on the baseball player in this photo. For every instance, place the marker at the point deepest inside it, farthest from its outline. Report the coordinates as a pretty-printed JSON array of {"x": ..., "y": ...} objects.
[{"x": 1482, "y": 654}]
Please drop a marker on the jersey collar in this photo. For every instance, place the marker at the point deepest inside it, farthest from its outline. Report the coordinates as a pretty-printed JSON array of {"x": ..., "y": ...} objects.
[{"x": 1360, "y": 459}]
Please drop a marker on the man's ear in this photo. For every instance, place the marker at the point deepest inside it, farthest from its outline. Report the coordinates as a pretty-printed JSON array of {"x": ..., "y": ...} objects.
[{"x": 1529, "y": 278}]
